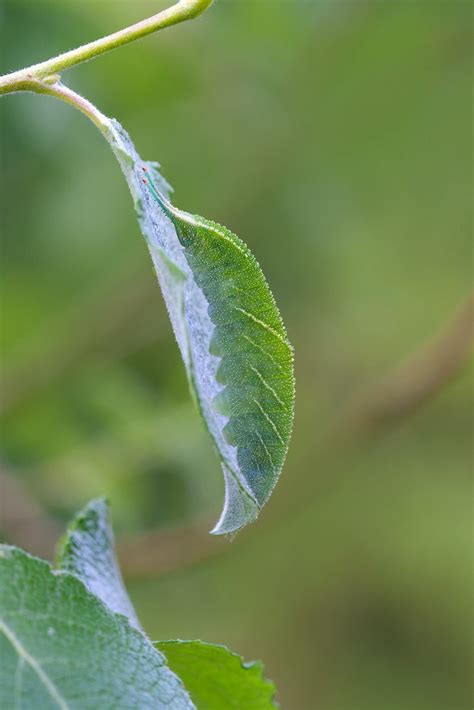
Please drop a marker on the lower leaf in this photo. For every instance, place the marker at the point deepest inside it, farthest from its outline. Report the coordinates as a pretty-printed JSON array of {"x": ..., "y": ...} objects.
[
  {"x": 61, "y": 647},
  {"x": 218, "y": 679}
]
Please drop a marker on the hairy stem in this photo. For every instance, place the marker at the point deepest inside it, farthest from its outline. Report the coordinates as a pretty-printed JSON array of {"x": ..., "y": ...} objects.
[
  {"x": 64, "y": 93},
  {"x": 21, "y": 80}
]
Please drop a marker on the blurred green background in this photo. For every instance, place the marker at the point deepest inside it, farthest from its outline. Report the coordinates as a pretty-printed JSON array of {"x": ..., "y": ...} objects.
[{"x": 335, "y": 138}]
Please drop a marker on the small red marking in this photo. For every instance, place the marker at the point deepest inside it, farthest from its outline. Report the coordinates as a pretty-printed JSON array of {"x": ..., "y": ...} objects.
[{"x": 145, "y": 181}]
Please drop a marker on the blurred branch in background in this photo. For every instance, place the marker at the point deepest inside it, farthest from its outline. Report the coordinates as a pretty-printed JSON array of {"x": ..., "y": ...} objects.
[
  {"x": 334, "y": 138},
  {"x": 397, "y": 396},
  {"x": 418, "y": 378},
  {"x": 158, "y": 552},
  {"x": 27, "y": 525}
]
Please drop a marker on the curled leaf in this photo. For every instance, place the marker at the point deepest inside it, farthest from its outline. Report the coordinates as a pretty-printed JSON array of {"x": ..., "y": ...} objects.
[
  {"x": 87, "y": 550},
  {"x": 230, "y": 333}
]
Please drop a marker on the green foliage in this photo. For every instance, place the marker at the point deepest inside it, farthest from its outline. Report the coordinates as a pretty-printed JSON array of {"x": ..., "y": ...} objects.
[
  {"x": 230, "y": 333},
  {"x": 216, "y": 678},
  {"x": 338, "y": 144},
  {"x": 68, "y": 638},
  {"x": 240, "y": 369},
  {"x": 61, "y": 647}
]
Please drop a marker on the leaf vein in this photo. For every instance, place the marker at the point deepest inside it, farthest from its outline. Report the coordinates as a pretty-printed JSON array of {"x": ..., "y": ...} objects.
[
  {"x": 269, "y": 387},
  {"x": 265, "y": 352},
  {"x": 267, "y": 452},
  {"x": 23, "y": 653},
  {"x": 262, "y": 323},
  {"x": 270, "y": 421}
]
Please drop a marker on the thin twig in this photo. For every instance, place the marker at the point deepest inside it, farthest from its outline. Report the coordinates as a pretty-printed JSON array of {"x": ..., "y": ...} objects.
[
  {"x": 418, "y": 378},
  {"x": 399, "y": 395},
  {"x": 168, "y": 550}
]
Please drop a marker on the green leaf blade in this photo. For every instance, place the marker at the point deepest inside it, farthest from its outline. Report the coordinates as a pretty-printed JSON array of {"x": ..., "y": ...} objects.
[
  {"x": 231, "y": 337},
  {"x": 60, "y": 647},
  {"x": 256, "y": 359},
  {"x": 218, "y": 679}
]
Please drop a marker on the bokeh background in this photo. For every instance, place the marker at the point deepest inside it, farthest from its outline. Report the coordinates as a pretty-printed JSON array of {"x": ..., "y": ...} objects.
[{"x": 335, "y": 138}]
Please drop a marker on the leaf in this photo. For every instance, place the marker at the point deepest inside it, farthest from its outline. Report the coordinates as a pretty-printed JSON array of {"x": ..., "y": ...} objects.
[
  {"x": 214, "y": 676},
  {"x": 87, "y": 550},
  {"x": 60, "y": 647},
  {"x": 218, "y": 679},
  {"x": 231, "y": 337}
]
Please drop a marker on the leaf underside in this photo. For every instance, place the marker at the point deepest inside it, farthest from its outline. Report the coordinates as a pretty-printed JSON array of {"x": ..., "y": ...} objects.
[
  {"x": 87, "y": 551},
  {"x": 230, "y": 333},
  {"x": 61, "y": 647},
  {"x": 62, "y": 644},
  {"x": 215, "y": 678}
]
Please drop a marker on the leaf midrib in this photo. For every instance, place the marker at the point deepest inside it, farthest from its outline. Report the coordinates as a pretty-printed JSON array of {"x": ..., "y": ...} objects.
[{"x": 23, "y": 653}]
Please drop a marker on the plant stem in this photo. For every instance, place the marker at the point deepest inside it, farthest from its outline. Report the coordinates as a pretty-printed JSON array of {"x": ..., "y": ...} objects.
[
  {"x": 64, "y": 93},
  {"x": 71, "y": 97},
  {"x": 181, "y": 11}
]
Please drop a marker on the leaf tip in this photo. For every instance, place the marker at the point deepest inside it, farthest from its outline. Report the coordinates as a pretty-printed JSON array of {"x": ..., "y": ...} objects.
[{"x": 240, "y": 508}]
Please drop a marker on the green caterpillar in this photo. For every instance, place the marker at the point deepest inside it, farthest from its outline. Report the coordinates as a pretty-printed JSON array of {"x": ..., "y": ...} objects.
[{"x": 256, "y": 367}]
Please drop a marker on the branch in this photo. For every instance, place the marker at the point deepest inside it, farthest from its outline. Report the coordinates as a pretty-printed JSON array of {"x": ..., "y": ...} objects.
[
  {"x": 21, "y": 80},
  {"x": 399, "y": 395},
  {"x": 158, "y": 552},
  {"x": 404, "y": 390}
]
